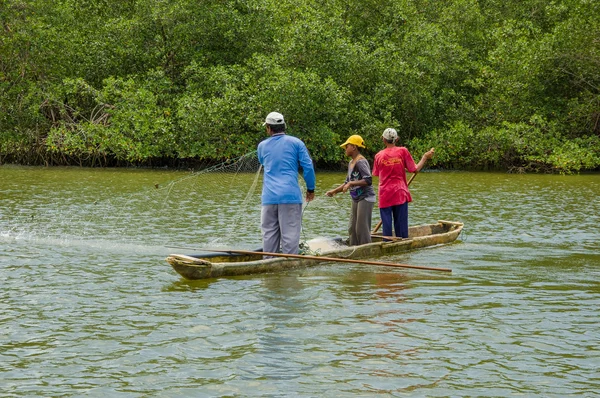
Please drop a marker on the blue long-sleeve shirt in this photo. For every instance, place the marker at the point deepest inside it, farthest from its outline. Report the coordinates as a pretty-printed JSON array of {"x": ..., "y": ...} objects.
[{"x": 281, "y": 156}]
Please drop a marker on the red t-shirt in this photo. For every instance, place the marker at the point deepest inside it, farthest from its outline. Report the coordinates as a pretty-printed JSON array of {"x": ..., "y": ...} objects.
[{"x": 389, "y": 165}]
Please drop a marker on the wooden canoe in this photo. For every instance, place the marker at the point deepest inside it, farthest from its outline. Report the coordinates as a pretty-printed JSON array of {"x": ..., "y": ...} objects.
[{"x": 213, "y": 265}]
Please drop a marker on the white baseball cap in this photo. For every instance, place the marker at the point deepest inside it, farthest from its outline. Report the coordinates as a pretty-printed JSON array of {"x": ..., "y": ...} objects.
[
  {"x": 274, "y": 118},
  {"x": 390, "y": 134}
]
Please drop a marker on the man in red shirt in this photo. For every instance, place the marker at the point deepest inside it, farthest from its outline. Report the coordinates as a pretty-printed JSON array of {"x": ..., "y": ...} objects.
[{"x": 390, "y": 166}]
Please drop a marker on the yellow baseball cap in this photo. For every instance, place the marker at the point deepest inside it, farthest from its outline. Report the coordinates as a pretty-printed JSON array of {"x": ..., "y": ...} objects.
[{"x": 355, "y": 140}]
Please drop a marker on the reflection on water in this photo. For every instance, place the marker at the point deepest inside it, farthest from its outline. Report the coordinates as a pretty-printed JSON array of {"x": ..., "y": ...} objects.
[{"x": 89, "y": 307}]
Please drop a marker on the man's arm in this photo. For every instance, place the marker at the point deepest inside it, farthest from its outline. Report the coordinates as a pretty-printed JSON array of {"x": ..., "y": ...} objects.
[
  {"x": 307, "y": 169},
  {"x": 428, "y": 155}
]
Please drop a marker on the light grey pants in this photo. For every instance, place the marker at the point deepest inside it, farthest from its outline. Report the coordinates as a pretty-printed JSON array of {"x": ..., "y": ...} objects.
[
  {"x": 359, "y": 227},
  {"x": 281, "y": 226}
]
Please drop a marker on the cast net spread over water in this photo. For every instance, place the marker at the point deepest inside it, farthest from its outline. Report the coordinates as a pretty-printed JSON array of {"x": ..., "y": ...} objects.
[{"x": 180, "y": 211}]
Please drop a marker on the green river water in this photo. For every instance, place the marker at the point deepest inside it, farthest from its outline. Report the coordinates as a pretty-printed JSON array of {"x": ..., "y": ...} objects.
[{"x": 90, "y": 308}]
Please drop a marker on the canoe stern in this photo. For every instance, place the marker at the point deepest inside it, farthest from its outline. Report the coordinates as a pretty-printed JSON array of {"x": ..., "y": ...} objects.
[{"x": 190, "y": 267}]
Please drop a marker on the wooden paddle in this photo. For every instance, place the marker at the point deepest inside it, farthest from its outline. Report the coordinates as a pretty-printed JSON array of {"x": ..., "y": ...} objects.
[
  {"x": 381, "y": 221},
  {"x": 321, "y": 258}
]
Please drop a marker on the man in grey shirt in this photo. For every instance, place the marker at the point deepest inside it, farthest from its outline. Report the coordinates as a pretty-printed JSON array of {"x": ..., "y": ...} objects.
[{"x": 359, "y": 184}]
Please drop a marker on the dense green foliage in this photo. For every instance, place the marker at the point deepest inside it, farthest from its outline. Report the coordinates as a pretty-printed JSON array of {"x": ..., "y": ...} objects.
[{"x": 491, "y": 84}]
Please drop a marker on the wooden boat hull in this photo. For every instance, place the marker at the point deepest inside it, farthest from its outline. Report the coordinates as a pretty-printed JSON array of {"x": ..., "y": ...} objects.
[{"x": 213, "y": 265}]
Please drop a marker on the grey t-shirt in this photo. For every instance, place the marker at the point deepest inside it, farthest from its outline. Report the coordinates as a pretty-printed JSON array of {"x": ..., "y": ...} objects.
[{"x": 361, "y": 171}]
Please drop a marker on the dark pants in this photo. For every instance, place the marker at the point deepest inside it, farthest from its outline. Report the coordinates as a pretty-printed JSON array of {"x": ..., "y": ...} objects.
[{"x": 399, "y": 215}]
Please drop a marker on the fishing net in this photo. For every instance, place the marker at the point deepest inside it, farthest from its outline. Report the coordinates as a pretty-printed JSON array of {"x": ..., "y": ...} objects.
[{"x": 217, "y": 206}]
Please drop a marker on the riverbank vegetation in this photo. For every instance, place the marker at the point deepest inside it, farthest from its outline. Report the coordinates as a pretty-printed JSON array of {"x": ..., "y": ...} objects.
[{"x": 491, "y": 84}]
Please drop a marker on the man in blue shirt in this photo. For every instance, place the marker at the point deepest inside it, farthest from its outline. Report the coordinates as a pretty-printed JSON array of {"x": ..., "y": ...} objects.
[{"x": 281, "y": 156}]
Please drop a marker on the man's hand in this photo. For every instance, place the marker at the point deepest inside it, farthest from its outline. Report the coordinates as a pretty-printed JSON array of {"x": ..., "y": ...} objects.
[
  {"x": 310, "y": 196},
  {"x": 429, "y": 154}
]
